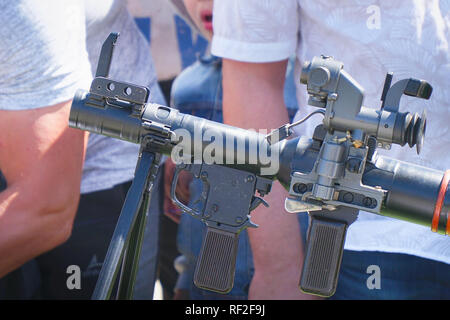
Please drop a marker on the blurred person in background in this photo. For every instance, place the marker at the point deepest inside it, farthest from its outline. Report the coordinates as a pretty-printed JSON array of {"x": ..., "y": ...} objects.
[
  {"x": 64, "y": 189},
  {"x": 409, "y": 38},
  {"x": 175, "y": 44},
  {"x": 198, "y": 91}
]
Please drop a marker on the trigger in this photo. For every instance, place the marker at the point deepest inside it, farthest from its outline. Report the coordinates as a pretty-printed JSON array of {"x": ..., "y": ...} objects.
[{"x": 256, "y": 201}]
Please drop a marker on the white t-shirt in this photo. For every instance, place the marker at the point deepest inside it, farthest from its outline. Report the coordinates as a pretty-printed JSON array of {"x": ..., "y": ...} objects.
[
  {"x": 50, "y": 48},
  {"x": 409, "y": 38}
]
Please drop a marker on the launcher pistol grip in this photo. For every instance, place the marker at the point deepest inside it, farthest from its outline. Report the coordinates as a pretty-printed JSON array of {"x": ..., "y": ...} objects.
[
  {"x": 227, "y": 198},
  {"x": 324, "y": 249}
]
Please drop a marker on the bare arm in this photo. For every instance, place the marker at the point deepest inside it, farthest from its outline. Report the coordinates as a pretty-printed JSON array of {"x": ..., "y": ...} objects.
[
  {"x": 253, "y": 99},
  {"x": 42, "y": 161}
]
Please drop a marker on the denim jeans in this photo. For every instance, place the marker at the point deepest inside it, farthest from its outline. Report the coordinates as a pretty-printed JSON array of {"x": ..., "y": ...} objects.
[{"x": 401, "y": 277}]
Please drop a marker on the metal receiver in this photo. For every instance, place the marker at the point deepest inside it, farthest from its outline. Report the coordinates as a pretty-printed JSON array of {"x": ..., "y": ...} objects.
[
  {"x": 331, "y": 176},
  {"x": 347, "y": 138}
]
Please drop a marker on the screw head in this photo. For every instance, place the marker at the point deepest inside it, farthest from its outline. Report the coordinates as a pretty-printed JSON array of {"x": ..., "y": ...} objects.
[
  {"x": 300, "y": 188},
  {"x": 367, "y": 202},
  {"x": 348, "y": 197}
]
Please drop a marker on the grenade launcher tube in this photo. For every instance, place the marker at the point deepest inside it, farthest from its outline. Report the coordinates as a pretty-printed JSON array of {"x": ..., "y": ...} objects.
[{"x": 414, "y": 193}]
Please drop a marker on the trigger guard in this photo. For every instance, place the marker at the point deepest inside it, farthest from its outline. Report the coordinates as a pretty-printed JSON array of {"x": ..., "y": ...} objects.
[{"x": 183, "y": 207}]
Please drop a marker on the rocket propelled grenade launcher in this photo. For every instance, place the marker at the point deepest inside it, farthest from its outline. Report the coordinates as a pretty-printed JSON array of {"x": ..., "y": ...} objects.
[
  {"x": 331, "y": 176},
  {"x": 350, "y": 134}
]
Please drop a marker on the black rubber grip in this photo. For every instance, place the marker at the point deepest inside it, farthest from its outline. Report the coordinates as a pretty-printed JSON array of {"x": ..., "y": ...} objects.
[
  {"x": 217, "y": 261},
  {"x": 323, "y": 257}
]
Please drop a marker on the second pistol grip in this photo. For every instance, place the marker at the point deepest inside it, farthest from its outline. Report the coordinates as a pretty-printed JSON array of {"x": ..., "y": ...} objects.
[
  {"x": 324, "y": 248},
  {"x": 217, "y": 261}
]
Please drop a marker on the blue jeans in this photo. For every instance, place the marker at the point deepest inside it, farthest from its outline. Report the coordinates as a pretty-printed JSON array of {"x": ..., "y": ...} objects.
[{"x": 402, "y": 277}]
